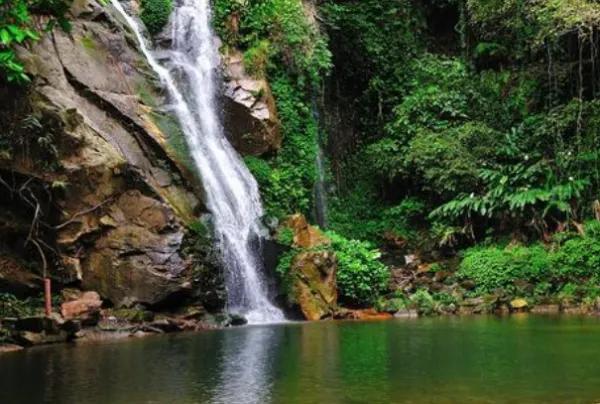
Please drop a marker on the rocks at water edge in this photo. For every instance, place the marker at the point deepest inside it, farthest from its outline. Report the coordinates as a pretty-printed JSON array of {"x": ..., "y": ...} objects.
[
  {"x": 311, "y": 278},
  {"x": 519, "y": 305},
  {"x": 38, "y": 330},
  {"x": 84, "y": 306},
  {"x": 313, "y": 283}
]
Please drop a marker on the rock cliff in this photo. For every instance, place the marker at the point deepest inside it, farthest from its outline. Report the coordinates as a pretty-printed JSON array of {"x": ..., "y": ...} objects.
[{"x": 95, "y": 179}]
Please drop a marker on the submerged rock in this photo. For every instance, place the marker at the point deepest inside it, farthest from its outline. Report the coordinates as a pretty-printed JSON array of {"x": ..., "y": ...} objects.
[
  {"x": 406, "y": 313},
  {"x": 546, "y": 309}
]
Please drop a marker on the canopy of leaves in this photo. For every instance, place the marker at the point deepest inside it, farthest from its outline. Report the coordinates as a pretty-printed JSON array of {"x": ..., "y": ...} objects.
[{"x": 19, "y": 25}]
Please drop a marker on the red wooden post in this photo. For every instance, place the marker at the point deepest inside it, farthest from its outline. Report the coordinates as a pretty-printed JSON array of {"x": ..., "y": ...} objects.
[{"x": 47, "y": 296}]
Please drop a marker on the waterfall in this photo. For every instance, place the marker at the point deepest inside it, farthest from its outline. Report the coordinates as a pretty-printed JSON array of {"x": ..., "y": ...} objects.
[
  {"x": 188, "y": 71},
  {"x": 320, "y": 189}
]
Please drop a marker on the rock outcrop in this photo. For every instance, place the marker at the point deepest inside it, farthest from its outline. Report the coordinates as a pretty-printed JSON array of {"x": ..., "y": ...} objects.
[
  {"x": 104, "y": 188},
  {"x": 313, "y": 283},
  {"x": 311, "y": 278},
  {"x": 84, "y": 306},
  {"x": 251, "y": 120}
]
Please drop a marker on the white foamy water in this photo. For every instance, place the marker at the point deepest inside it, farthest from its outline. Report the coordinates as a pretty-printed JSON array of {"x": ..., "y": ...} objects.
[{"x": 188, "y": 71}]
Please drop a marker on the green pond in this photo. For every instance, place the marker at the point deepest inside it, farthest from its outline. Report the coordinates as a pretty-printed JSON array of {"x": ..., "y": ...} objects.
[{"x": 519, "y": 359}]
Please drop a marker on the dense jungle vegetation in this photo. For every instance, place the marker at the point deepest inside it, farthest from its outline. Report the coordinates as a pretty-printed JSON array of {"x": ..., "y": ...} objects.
[
  {"x": 463, "y": 132},
  {"x": 457, "y": 128}
]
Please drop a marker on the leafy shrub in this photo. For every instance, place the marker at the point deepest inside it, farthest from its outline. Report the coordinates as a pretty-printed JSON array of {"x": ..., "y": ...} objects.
[
  {"x": 286, "y": 181},
  {"x": 277, "y": 30},
  {"x": 17, "y": 27},
  {"x": 285, "y": 236},
  {"x": 256, "y": 58},
  {"x": 424, "y": 302},
  {"x": 11, "y": 306},
  {"x": 361, "y": 277},
  {"x": 391, "y": 305},
  {"x": 497, "y": 268},
  {"x": 5, "y": 335},
  {"x": 285, "y": 262},
  {"x": 578, "y": 258},
  {"x": 155, "y": 14}
]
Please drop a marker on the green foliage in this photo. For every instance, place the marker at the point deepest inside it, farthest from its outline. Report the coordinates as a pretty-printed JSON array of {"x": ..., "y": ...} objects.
[
  {"x": 555, "y": 271},
  {"x": 392, "y": 305},
  {"x": 11, "y": 306},
  {"x": 286, "y": 181},
  {"x": 275, "y": 34},
  {"x": 530, "y": 23},
  {"x": 285, "y": 236},
  {"x": 256, "y": 58},
  {"x": 285, "y": 263},
  {"x": 545, "y": 170},
  {"x": 18, "y": 27},
  {"x": 374, "y": 40},
  {"x": 361, "y": 277},
  {"x": 199, "y": 229},
  {"x": 423, "y": 301},
  {"x": 498, "y": 268},
  {"x": 281, "y": 42},
  {"x": 33, "y": 138},
  {"x": 579, "y": 257},
  {"x": 155, "y": 14}
]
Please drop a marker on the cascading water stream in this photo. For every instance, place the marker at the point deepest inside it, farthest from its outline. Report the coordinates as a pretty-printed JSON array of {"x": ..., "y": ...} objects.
[
  {"x": 321, "y": 182},
  {"x": 188, "y": 72}
]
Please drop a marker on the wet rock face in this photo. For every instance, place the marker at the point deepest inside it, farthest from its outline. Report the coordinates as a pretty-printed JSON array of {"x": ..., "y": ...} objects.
[
  {"x": 250, "y": 115},
  {"x": 305, "y": 235},
  {"x": 125, "y": 194},
  {"x": 314, "y": 287},
  {"x": 16, "y": 279},
  {"x": 311, "y": 279},
  {"x": 138, "y": 258},
  {"x": 82, "y": 306}
]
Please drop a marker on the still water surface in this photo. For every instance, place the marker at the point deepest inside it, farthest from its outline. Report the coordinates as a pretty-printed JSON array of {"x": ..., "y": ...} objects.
[{"x": 443, "y": 360}]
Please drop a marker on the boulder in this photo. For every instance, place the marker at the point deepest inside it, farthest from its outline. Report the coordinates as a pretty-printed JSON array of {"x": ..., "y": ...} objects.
[
  {"x": 519, "y": 304},
  {"x": 5, "y": 348},
  {"x": 43, "y": 330},
  {"x": 250, "y": 120},
  {"x": 39, "y": 338},
  {"x": 86, "y": 307},
  {"x": 312, "y": 280},
  {"x": 138, "y": 260},
  {"x": 305, "y": 235},
  {"x": 38, "y": 324}
]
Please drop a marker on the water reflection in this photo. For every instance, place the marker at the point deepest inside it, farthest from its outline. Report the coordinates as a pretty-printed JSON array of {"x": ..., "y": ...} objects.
[
  {"x": 247, "y": 362},
  {"x": 439, "y": 360}
]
